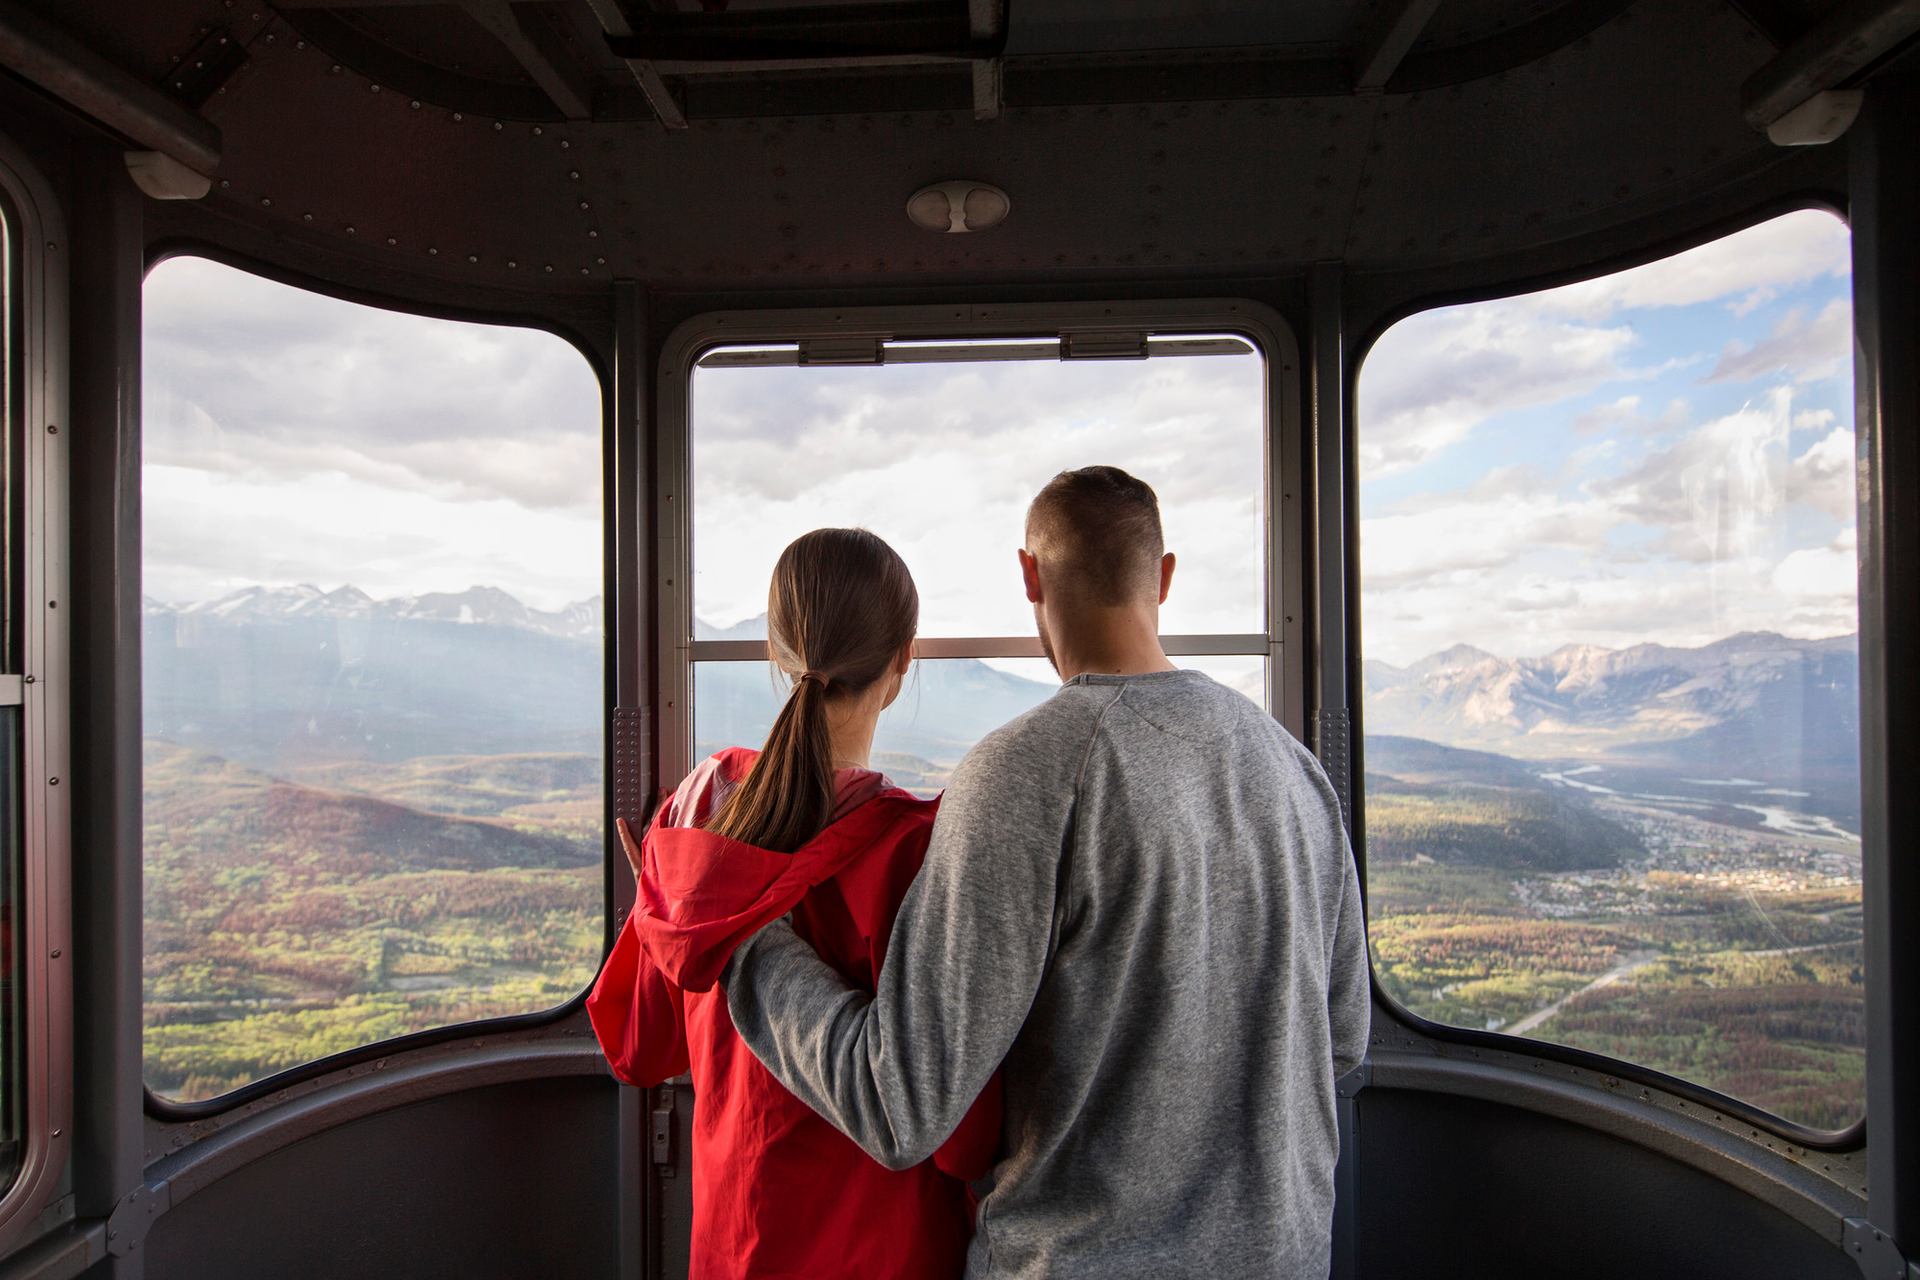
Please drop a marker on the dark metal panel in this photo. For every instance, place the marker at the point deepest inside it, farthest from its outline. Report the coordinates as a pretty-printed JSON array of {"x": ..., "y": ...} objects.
[
  {"x": 105, "y": 475},
  {"x": 1468, "y": 1187},
  {"x": 1886, "y": 275},
  {"x": 502, "y": 1182}
]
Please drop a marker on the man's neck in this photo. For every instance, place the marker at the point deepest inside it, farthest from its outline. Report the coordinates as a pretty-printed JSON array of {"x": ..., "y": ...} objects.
[{"x": 1119, "y": 646}]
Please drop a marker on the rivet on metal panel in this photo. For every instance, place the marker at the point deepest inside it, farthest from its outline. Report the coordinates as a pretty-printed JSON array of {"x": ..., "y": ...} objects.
[
  {"x": 392, "y": 241},
  {"x": 266, "y": 202},
  {"x": 373, "y": 88},
  {"x": 351, "y": 230},
  {"x": 306, "y": 217},
  {"x": 432, "y": 252},
  {"x": 592, "y": 234},
  {"x": 55, "y": 953},
  {"x": 497, "y": 126},
  {"x": 512, "y": 263},
  {"x": 415, "y": 104},
  {"x": 574, "y": 174},
  {"x": 457, "y": 117}
]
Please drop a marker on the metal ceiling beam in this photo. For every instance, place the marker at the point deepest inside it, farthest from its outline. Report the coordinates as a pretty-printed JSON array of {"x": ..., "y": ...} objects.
[
  {"x": 60, "y": 65},
  {"x": 1390, "y": 42},
  {"x": 1839, "y": 47},
  {"x": 987, "y": 24},
  {"x": 613, "y": 21},
  {"x": 827, "y": 35},
  {"x": 538, "y": 52}
]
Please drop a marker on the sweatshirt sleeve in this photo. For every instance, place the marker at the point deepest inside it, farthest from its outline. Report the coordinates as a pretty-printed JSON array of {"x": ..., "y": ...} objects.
[
  {"x": 638, "y": 1017},
  {"x": 1349, "y": 994},
  {"x": 897, "y": 1071}
]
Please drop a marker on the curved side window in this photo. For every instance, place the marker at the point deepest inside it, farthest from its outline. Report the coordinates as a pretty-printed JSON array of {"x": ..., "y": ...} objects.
[
  {"x": 1611, "y": 692},
  {"x": 373, "y": 671}
]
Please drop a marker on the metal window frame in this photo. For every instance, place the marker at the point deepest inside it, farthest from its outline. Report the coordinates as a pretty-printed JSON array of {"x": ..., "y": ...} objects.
[
  {"x": 1097, "y": 328},
  {"x": 1339, "y": 578},
  {"x": 46, "y": 908}
]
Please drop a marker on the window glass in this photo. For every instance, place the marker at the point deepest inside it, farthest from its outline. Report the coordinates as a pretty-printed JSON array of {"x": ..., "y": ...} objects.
[
  {"x": 941, "y": 460},
  {"x": 12, "y": 849},
  {"x": 945, "y": 706},
  {"x": 1612, "y": 791},
  {"x": 941, "y": 457},
  {"x": 373, "y": 671}
]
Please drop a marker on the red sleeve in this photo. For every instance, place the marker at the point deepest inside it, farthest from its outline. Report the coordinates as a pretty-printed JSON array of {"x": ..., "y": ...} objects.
[
  {"x": 637, "y": 1015},
  {"x": 969, "y": 1154}
]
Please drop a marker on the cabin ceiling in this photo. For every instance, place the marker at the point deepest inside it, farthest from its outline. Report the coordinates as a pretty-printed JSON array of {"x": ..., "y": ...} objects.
[{"x": 709, "y": 143}]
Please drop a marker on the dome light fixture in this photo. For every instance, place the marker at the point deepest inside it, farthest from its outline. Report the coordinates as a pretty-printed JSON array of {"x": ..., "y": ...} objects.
[{"x": 958, "y": 206}]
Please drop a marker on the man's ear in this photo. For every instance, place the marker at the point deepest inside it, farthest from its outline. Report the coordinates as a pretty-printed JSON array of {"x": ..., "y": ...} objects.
[
  {"x": 1030, "y": 574},
  {"x": 1166, "y": 576}
]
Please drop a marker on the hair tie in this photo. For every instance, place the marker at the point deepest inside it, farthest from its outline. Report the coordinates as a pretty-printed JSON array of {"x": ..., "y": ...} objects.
[{"x": 815, "y": 676}]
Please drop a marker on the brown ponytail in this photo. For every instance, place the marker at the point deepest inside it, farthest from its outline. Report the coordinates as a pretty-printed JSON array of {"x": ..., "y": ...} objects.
[{"x": 840, "y": 609}]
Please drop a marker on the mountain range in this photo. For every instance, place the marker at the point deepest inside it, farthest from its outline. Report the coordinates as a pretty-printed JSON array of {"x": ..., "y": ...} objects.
[
  {"x": 1752, "y": 704},
  {"x": 476, "y": 606}
]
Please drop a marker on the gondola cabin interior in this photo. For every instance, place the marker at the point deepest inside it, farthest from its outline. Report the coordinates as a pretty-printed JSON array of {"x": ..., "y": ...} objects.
[{"x": 404, "y": 400}]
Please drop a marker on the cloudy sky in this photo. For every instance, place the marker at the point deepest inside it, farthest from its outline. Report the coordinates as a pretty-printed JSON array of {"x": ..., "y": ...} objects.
[
  {"x": 291, "y": 437},
  {"x": 1665, "y": 454},
  {"x": 1662, "y": 454}
]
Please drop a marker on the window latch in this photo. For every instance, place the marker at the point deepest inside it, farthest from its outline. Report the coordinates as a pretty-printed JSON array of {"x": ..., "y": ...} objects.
[
  {"x": 660, "y": 1130},
  {"x": 1104, "y": 344},
  {"x": 836, "y": 350}
]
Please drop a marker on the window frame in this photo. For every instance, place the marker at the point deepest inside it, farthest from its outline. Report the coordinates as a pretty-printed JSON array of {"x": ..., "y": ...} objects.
[
  {"x": 173, "y": 1110},
  {"x": 40, "y": 687},
  {"x": 1280, "y": 644},
  {"x": 1611, "y": 1070}
]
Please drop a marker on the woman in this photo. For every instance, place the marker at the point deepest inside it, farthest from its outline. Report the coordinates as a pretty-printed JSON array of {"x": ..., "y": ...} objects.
[{"x": 803, "y": 825}]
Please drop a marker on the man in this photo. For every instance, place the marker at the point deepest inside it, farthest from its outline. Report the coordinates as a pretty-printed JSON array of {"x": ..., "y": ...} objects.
[{"x": 1138, "y": 903}]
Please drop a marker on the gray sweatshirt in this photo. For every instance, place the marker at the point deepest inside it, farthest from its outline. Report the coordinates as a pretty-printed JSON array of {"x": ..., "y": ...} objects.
[{"x": 1139, "y": 904}]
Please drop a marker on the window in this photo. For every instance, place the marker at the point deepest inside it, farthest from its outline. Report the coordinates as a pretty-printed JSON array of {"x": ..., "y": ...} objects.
[
  {"x": 1608, "y": 565},
  {"x": 938, "y": 445},
  {"x": 373, "y": 675}
]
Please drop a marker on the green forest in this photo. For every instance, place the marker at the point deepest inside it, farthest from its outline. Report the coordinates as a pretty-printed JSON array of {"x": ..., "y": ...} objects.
[
  {"x": 1710, "y": 953},
  {"x": 289, "y": 919}
]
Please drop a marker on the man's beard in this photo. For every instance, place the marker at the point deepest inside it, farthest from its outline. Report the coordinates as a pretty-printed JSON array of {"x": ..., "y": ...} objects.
[{"x": 1046, "y": 642}]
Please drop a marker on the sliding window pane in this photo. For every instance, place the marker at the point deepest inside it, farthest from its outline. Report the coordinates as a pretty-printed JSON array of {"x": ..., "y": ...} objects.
[{"x": 942, "y": 459}]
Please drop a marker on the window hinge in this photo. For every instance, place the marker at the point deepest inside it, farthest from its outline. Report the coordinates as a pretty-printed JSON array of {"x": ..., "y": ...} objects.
[
  {"x": 661, "y": 1130},
  {"x": 1331, "y": 736},
  {"x": 1104, "y": 344},
  {"x": 132, "y": 1218},
  {"x": 1876, "y": 1253},
  {"x": 839, "y": 351}
]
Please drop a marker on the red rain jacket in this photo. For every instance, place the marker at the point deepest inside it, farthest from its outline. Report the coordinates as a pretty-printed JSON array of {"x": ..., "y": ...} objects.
[{"x": 777, "y": 1191}]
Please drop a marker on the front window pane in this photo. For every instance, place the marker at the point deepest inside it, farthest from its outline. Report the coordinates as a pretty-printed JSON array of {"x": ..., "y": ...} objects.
[
  {"x": 373, "y": 674},
  {"x": 942, "y": 459},
  {"x": 1612, "y": 683}
]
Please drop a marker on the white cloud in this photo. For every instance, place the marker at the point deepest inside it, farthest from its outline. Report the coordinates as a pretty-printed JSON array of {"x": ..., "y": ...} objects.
[
  {"x": 1822, "y": 477},
  {"x": 1755, "y": 263},
  {"x": 1805, "y": 350},
  {"x": 1434, "y": 377}
]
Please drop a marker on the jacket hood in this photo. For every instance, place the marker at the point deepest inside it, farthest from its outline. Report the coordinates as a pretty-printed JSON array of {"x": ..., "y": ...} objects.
[{"x": 701, "y": 895}]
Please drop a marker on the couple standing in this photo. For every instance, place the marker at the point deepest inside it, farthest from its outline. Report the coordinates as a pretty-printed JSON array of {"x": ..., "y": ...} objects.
[{"x": 1127, "y": 963}]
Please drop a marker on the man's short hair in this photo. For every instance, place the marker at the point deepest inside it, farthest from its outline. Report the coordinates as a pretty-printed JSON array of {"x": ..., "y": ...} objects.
[{"x": 1097, "y": 533}]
